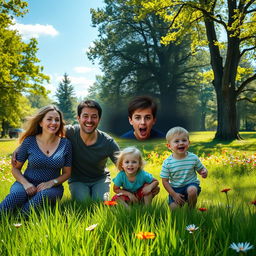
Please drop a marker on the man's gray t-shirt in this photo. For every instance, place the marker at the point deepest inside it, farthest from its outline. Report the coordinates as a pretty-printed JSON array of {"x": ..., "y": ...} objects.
[{"x": 89, "y": 162}]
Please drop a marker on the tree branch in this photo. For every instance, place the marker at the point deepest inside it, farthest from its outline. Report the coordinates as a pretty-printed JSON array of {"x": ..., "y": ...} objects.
[
  {"x": 248, "y": 90},
  {"x": 209, "y": 15},
  {"x": 244, "y": 84},
  {"x": 246, "y": 50},
  {"x": 247, "y": 99}
]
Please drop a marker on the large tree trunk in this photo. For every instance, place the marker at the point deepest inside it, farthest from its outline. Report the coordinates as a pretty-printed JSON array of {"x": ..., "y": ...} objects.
[
  {"x": 224, "y": 83},
  {"x": 227, "y": 128},
  {"x": 202, "y": 119}
]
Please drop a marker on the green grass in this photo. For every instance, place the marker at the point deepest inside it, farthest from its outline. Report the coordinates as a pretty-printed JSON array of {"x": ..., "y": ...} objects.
[{"x": 229, "y": 217}]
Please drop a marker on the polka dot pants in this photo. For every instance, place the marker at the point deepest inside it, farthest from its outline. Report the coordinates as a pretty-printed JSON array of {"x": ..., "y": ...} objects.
[{"x": 18, "y": 198}]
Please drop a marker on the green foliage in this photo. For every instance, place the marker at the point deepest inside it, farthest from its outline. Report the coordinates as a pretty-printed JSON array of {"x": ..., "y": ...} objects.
[
  {"x": 135, "y": 63},
  {"x": 19, "y": 69},
  {"x": 38, "y": 100},
  {"x": 66, "y": 99}
]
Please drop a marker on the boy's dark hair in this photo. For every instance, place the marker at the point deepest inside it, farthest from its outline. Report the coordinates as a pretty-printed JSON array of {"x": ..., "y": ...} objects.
[
  {"x": 142, "y": 102},
  {"x": 89, "y": 104}
]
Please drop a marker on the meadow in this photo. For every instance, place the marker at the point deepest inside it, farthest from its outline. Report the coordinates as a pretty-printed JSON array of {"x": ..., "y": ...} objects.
[{"x": 220, "y": 218}]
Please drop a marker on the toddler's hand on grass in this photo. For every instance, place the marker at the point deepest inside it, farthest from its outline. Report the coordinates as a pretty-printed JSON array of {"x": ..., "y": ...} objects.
[
  {"x": 178, "y": 198},
  {"x": 133, "y": 198},
  {"x": 146, "y": 190},
  {"x": 204, "y": 173}
]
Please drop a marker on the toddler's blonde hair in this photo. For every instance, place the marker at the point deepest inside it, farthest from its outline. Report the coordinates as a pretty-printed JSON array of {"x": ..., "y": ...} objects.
[
  {"x": 176, "y": 131},
  {"x": 127, "y": 151}
]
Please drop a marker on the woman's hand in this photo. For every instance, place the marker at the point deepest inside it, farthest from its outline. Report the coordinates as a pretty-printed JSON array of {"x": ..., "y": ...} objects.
[
  {"x": 45, "y": 185},
  {"x": 30, "y": 189}
]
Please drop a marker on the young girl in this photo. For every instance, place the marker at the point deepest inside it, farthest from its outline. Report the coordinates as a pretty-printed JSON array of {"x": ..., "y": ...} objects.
[{"x": 132, "y": 184}]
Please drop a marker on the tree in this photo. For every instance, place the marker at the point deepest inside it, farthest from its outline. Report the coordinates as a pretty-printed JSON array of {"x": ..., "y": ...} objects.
[
  {"x": 135, "y": 62},
  {"x": 38, "y": 100},
  {"x": 236, "y": 19},
  {"x": 19, "y": 69},
  {"x": 65, "y": 96}
]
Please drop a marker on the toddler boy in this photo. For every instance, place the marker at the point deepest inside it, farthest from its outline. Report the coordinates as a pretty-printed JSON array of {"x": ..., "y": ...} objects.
[{"x": 178, "y": 172}]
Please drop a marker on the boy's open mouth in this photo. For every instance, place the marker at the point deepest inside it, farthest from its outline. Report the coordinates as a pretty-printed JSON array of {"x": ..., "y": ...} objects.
[
  {"x": 143, "y": 131},
  {"x": 181, "y": 148}
]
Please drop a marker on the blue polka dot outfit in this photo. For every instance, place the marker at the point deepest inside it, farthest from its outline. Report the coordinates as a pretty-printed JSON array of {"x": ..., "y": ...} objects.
[{"x": 40, "y": 168}]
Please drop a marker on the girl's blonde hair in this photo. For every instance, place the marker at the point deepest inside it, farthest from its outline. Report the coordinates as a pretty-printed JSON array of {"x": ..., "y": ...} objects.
[
  {"x": 127, "y": 151},
  {"x": 32, "y": 126},
  {"x": 176, "y": 131}
]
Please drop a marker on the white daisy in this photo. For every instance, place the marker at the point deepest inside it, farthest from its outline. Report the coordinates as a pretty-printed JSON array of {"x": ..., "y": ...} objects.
[
  {"x": 191, "y": 228},
  {"x": 92, "y": 227},
  {"x": 241, "y": 247},
  {"x": 17, "y": 225}
]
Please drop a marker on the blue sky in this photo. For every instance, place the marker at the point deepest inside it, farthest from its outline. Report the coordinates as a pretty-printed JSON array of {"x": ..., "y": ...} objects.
[{"x": 64, "y": 33}]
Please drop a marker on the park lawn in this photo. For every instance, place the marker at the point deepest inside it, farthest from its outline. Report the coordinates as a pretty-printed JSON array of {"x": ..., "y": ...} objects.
[{"x": 229, "y": 217}]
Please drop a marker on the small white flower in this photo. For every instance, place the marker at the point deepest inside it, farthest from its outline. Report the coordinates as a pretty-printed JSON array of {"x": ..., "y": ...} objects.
[
  {"x": 241, "y": 247},
  {"x": 92, "y": 227},
  {"x": 191, "y": 228},
  {"x": 17, "y": 225}
]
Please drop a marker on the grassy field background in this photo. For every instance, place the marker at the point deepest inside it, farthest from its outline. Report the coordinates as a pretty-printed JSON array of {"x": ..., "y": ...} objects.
[{"x": 229, "y": 217}]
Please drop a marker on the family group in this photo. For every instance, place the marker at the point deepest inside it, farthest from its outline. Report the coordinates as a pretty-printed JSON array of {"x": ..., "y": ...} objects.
[{"x": 79, "y": 153}]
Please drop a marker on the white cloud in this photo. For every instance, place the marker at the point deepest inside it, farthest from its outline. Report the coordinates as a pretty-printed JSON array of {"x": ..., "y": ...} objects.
[
  {"x": 85, "y": 69},
  {"x": 28, "y": 31}
]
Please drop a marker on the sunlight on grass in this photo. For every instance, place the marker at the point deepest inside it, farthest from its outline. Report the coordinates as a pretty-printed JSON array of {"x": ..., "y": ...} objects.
[{"x": 220, "y": 218}]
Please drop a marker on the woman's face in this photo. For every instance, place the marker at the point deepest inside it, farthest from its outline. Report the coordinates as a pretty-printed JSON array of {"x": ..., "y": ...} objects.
[{"x": 51, "y": 122}]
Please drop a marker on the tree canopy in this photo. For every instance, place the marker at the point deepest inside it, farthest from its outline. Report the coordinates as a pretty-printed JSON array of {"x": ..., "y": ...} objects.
[
  {"x": 19, "y": 69},
  {"x": 209, "y": 22},
  {"x": 134, "y": 61}
]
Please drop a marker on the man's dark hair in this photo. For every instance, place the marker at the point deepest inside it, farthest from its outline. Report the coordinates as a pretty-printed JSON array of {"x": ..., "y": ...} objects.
[
  {"x": 142, "y": 102},
  {"x": 89, "y": 104}
]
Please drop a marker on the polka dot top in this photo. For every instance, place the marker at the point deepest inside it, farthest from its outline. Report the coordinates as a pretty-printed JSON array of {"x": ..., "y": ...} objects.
[{"x": 42, "y": 168}]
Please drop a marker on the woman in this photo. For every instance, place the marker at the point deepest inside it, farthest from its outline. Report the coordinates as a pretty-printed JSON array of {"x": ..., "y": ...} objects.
[{"x": 47, "y": 152}]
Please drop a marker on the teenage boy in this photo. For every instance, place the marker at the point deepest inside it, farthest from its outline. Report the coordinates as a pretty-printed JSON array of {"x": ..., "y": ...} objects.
[{"x": 142, "y": 116}]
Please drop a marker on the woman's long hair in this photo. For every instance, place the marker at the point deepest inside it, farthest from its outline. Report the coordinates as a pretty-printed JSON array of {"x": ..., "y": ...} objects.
[{"x": 32, "y": 126}]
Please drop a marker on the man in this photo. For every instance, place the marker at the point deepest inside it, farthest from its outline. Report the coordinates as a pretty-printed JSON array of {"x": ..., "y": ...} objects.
[
  {"x": 142, "y": 116},
  {"x": 90, "y": 151}
]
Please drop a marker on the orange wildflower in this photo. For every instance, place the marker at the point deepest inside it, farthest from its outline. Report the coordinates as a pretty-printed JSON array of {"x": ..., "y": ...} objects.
[
  {"x": 145, "y": 235},
  {"x": 110, "y": 203},
  {"x": 254, "y": 202},
  {"x": 202, "y": 209},
  {"x": 225, "y": 190}
]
